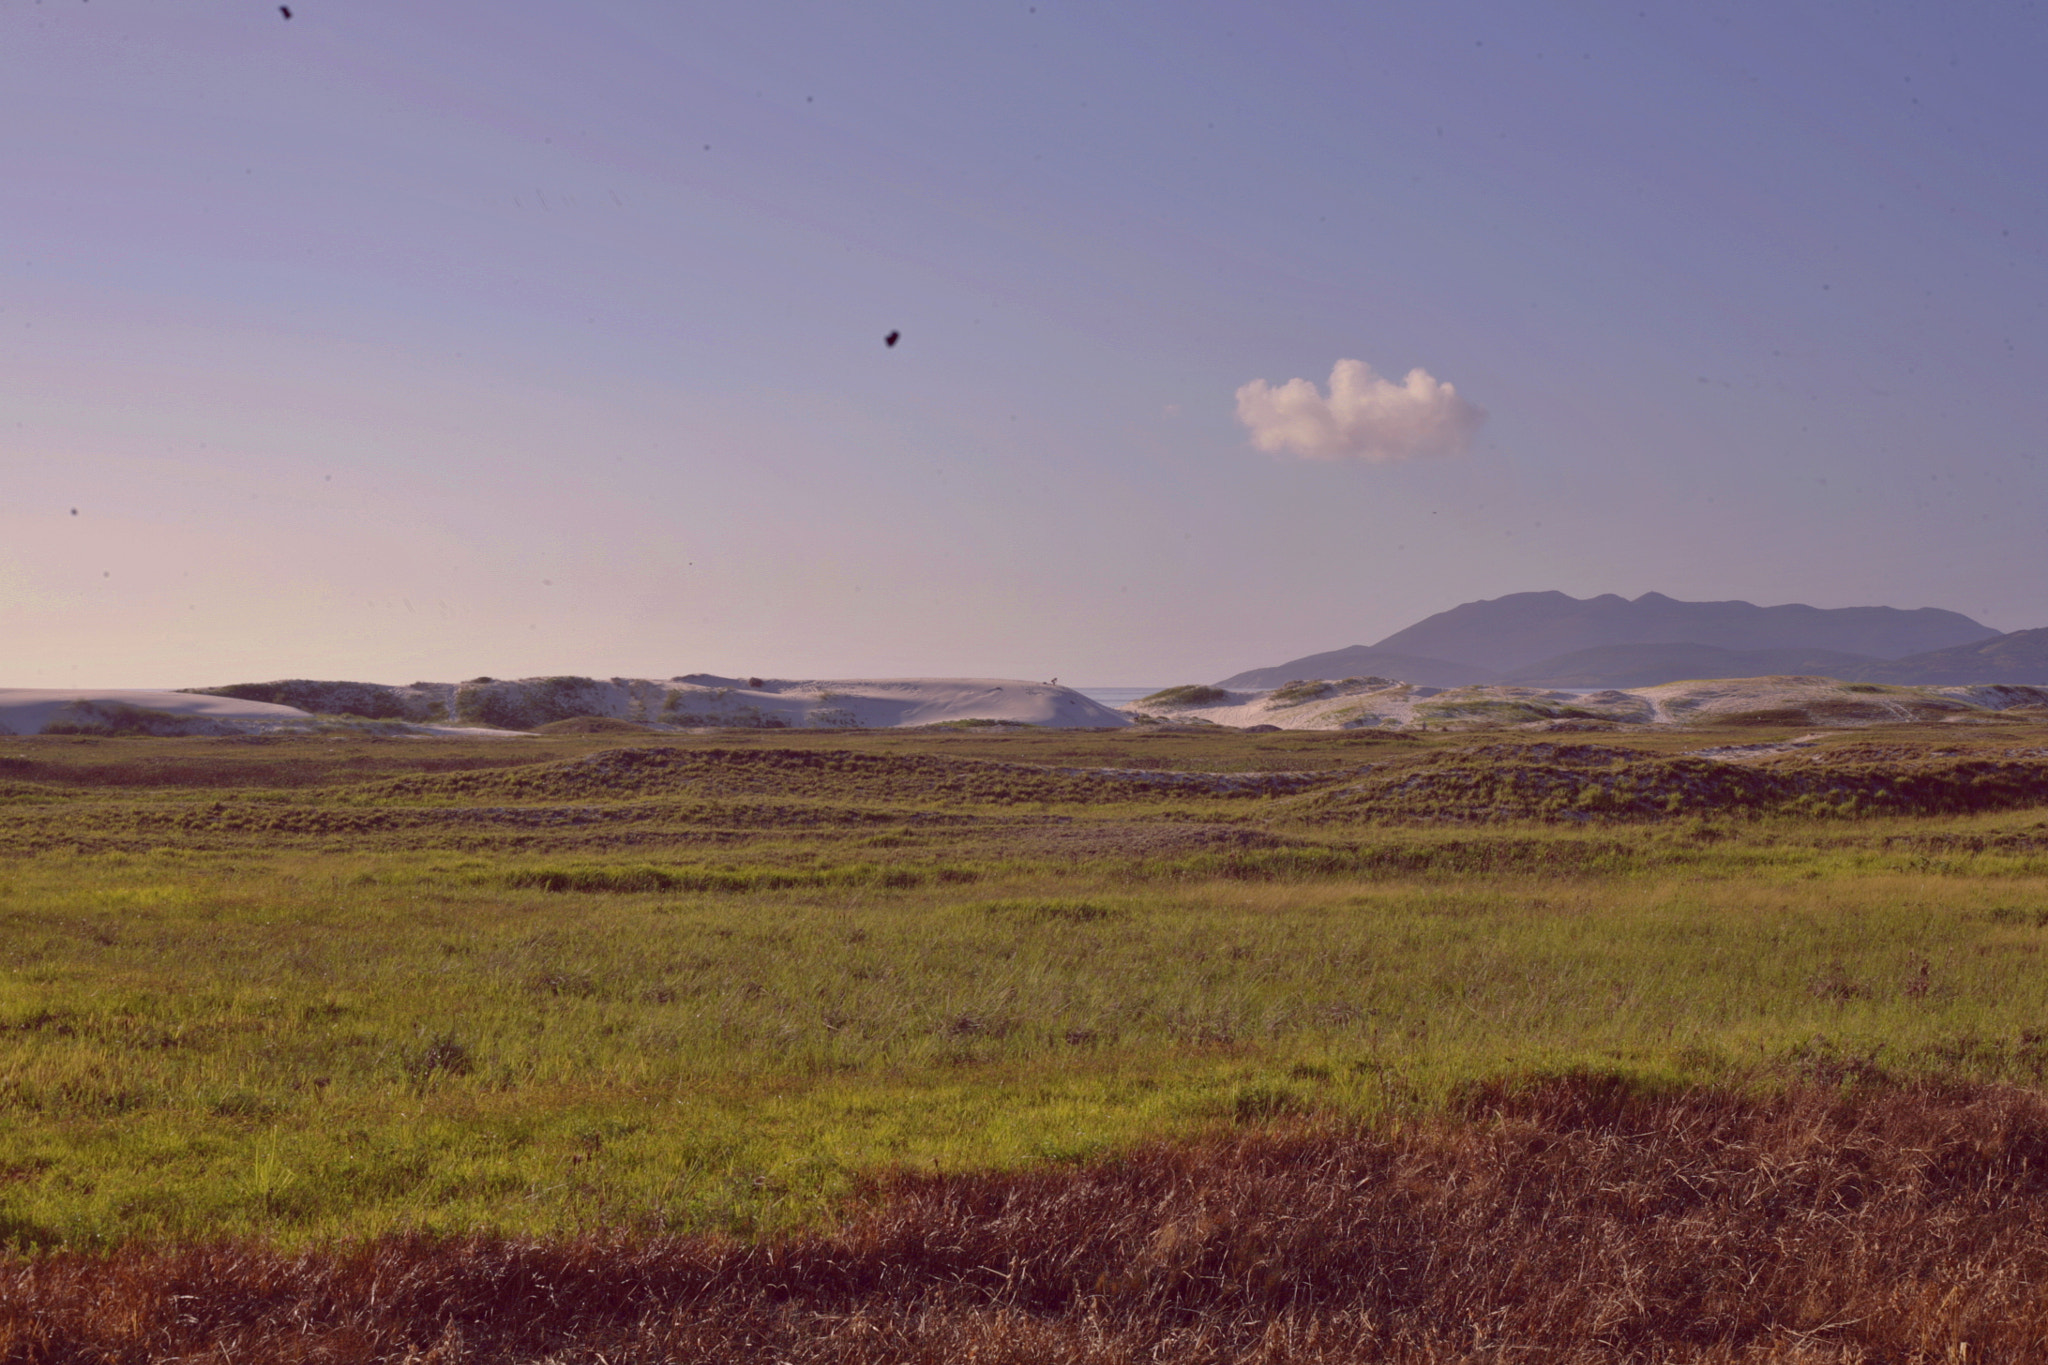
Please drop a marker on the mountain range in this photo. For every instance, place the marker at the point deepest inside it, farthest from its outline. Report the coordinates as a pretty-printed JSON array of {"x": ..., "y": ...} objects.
[{"x": 1550, "y": 639}]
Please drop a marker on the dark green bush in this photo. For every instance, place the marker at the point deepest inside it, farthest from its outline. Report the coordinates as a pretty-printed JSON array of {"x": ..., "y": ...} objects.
[
  {"x": 1189, "y": 694},
  {"x": 371, "y": 701}
]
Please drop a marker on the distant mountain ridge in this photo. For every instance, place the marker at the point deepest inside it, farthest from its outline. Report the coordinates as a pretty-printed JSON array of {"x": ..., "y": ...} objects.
[
  {"x": 1506, "y": 634},
  {"x": 1649, "y": 665},
  {"x": 1550, "y": 639},
  {"x": 2019, "y": 657}
]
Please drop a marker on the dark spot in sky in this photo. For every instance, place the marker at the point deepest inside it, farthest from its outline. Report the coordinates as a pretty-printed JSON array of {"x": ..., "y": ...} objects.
[
  {"x": 892, "y": 338},
  {"x": 74, "y": 511},
  {"x": 285, "y": 10}
]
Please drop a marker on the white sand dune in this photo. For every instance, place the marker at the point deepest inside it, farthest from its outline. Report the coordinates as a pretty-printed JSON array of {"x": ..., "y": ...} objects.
[
  {"x": 27, "y": 711},
  {"x": 1381, "y": 703},
  {"x": 512, "y": 707},
  {"x": 498, "y": 708},
  {"x": 707, "y": 700},
  {"x": 882, "y": 702},
  {"x": 130, "y": 710}
]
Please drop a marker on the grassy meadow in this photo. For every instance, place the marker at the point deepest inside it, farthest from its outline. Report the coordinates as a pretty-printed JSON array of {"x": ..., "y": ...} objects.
[{"x": 318, "y": 993}]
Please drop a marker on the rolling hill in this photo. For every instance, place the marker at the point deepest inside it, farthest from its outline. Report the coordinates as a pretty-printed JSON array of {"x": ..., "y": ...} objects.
[{"x": 2021, "y": 657}]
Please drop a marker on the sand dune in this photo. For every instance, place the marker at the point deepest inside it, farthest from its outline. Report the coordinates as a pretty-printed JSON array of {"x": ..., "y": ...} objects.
[
  {"x": 702, "y": 699},
  {"x": 30, "y": 711},
  {"x": 503, "y": 707},
  {"x": 487, "y": 707},
  {"x": 1383, "y": 703}
]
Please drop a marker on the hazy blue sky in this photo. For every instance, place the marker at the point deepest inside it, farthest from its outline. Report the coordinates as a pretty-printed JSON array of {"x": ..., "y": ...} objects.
[{"x": 415, "y": 341}]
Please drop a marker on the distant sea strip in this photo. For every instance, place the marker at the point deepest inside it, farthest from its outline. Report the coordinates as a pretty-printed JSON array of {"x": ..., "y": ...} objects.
[{"x": 1115, "y": 696}]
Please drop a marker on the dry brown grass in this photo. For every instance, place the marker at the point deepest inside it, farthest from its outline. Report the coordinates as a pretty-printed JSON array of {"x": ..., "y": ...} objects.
[
  {"x": 1568, "y": 1220},
  {"x": 1522, "y": 781}
]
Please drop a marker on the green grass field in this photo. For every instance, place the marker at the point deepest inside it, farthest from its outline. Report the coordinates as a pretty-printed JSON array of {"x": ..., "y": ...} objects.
[{"x": 314, "y": 989}]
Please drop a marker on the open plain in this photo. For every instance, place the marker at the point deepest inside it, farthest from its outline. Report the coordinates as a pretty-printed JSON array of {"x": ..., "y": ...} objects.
[{"x": 1176, "y": 1043}]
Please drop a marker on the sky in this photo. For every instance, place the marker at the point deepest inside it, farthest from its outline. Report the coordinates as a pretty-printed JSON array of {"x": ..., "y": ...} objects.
[{"x": 400, "y": 342}]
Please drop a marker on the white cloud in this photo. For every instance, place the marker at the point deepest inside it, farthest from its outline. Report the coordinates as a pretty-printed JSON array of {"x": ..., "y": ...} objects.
[{"x": 1365, "y": 417}]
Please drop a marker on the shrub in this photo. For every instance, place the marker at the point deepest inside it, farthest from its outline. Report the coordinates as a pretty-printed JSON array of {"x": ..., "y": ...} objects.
[
  {"x": 1190, "y": 694},
  {"x": 1298, "y": 691},
  {"x": 629, "y": 878},
  {"x": 119, "y": 718},
  {"x": 444, "y": 1054},
  {"x": 592, "y": 725},
  {"x": 531, "y": 703},
  {"x": 371, "y": 701}
]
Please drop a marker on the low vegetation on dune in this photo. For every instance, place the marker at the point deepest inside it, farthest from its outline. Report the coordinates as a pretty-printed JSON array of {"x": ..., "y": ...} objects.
[
  {"x": 1147, "y": 1044},
  {"x": 590, "y": 705},
  {"x": 531, "y": 702},
  {"x": 1768, "y": 702},
  {"x": 369, "y": 701},
  {"x": 1188, "y": 694},
  {"x": 592, "y": 725}
]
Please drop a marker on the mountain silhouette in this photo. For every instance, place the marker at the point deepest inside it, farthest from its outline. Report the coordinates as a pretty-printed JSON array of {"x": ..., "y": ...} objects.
[
  {"x": 1506, "y": 634},
  {"x": 2021, "y": 657},
  {"x": 1551, "y": 639}
]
